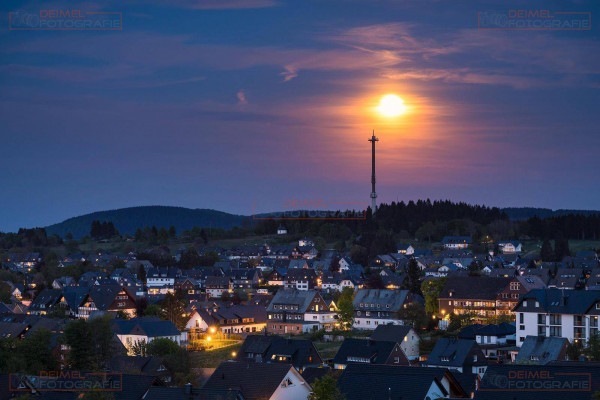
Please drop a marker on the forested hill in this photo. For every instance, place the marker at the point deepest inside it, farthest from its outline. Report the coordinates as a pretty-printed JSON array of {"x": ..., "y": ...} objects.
[
  {"x": 127, "y": 220},
  {"x": 522, "y": 213}
]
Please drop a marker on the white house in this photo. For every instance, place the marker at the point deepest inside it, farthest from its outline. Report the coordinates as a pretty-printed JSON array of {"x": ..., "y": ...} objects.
[
  {"x": 146, "y": 329},
  {"x": 456, "y": 242},
  {"x": 572, "y": 314},
  {"x": 281, "y": 230},
  {"x": 510, "y": 247},
  {"x": 406, "y": 249}
]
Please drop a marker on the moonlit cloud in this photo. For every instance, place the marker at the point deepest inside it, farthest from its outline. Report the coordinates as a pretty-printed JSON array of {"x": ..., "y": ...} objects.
[{"x": 241, "y": 96}]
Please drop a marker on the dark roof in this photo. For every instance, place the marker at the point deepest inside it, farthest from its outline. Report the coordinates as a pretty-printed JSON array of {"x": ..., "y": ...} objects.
[
  {"x": 387, "y": 299},
  {"x": 502, "y": 382},
  {"x": 301, "y": 298},
  {"x": 46, "y": 299},
  {"x": 456, "y": 351},
  {"x": 104, "y": 295},
  {"x": 502, "y": 329},
  {"x": 268, "y": 346},
  {"x": 74, "y": 296},
  {"x": 377, "y": 351},
  {"x": 390, "y": 332},
  {"x": 473, "y": 287},
  {"x": 541, "y": 349},
  {"x": 384, "y": 382},
  {"x": 310, "y": 374},
  {"x": 253, "y": 380},
  {"x": 456, "y": 239},
  {"x": 559, "y": 301},
  {"x": 150, "y": 326}
]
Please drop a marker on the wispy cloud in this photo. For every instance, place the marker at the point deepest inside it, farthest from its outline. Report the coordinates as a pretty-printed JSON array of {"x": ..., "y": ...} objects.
[{"x": 241, "y": 96}]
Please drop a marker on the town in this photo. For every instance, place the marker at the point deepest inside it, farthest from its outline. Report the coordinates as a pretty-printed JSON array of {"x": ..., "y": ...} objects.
[{"x": 292, "y": 317}]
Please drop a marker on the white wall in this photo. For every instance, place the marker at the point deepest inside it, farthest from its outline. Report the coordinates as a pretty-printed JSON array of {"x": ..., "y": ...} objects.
[{"x": 299, "y": 390}]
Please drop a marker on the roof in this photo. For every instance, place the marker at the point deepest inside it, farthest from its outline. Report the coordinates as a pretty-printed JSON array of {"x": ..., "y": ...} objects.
[
  {"x": 268, "y": 346},
  {"x": 541, "y": 349},
  {"x": 179, "y": 393},
  {"x": 310, "y": 374},
  {"x": 104, "y": 295},
  {"x": 148, "y": 326},
  {"x": 384, "y": 382},
  {"x": 457, "y": 240},
  {"x": 559, "y": 301},
  {"x": 473, "y": 287},
  {"x": 392, "y": 300},
  {"x": 253, "y": 380},
  {"x": 390, "y": 332},
  {"x": 46, "y": 298},
  {"x": 301, "y": 298},
  {"x": 456, "y": 351},
  {"x": 376, "y": 351}
]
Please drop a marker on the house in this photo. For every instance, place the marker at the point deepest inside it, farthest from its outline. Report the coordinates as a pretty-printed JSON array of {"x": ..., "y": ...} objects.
[
  {"x": 368, "y": 351},
  {"x": 508, "y": 297},
  {"x": 567, "y": 278},
  {"x": 405, "y": 249},
  {"x": 510, "y": 247},
  {"x": 383, "y": 261},
  {"x": 145, "y": 329},
  {"x": 344, "y": 263},
  {"x": 300, "y": 279},
  {"x": 161, "y": 277},
  {"x": 276, "y": 277},
  {"x": 152, "y": 366},
  {"x": 404, "y": 335},
  {"x": 456, "y": 242},
  {"x": 299, "y": 311},
  {"x": 305, "y": 242},
  {"x": 281, "y": 230},
  {"x": 490, "y": 337},
  {"x": 237, "y": 319},
  {"x": 385, "y": 382},
  {"x": 301, "y": 353},
  {"x": 260, "y": 381},
  {"x": 217, "y": 285},
  {"x": 572, "y": 314},
  {"x": 574, "y": 381},
  {"x": 113, "y": 298},
  {"x": 541, "y": 350},
  {"x": 373, "y": 307},
  {"x": 471, "y": 295},
  {"x": 45, "y": 301},
  {"x": 462, "y": 355},
  {"x": 245, "y": 278}
]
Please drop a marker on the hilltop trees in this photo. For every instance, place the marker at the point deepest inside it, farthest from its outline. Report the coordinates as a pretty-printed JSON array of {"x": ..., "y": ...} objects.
[{"x": 102, "y": 230}]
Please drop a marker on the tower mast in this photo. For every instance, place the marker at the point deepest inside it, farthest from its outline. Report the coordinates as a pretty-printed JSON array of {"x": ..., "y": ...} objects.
[{"x": 373, "y": 193}]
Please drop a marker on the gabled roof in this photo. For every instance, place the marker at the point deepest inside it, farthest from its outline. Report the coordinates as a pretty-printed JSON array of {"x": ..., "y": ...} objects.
[
  {"x": 147, "y": 326},
  {"x": 457, "y": 240},
  {"x": 46, "y": 299},
  {"x": 253, "y": 380},
  {"x": 384, "y": 382},
  {"x": 74, "y": 296},
  {"x": 391, "y": 332},
  {"x": 455, "y": 351},
  {"x": 559, "y": 301},
  {"x": 301, "y": 298},
  {"x": 376, "y": 351},
  {"x": 268, "y": 346},
  {"x": 383, "y": 297},
  {"x": 104, "y": 295},
  {"x": 473, "y": 287},
  {"x": 541, "y": 349}
]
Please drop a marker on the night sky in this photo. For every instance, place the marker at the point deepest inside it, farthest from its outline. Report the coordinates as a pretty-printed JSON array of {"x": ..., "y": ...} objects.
[{"x": 225, "y": 103}]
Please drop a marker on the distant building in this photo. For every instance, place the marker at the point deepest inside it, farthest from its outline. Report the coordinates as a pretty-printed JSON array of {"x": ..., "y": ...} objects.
[
  {"x": 368, "y": 351},
  {"x": 373, "y": 307},
  {"x": 510, "y": 247},
  {"x": 456, "y": 242},
  {"x": 281, "y": 230}
]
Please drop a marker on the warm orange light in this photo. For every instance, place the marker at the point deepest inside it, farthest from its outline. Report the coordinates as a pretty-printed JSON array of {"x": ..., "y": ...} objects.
[{"x": 391, "y": 105}]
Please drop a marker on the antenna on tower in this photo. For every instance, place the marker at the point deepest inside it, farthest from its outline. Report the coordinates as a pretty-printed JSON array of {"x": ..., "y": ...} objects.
[{"x": 373, "y": 192}]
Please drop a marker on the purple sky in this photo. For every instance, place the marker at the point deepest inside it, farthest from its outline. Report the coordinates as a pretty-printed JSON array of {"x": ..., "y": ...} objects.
[{"x": 225, "y": 103}]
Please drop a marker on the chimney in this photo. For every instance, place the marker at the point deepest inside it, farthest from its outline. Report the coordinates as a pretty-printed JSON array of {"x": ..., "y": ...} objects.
[{"x": 188, "y": 388}]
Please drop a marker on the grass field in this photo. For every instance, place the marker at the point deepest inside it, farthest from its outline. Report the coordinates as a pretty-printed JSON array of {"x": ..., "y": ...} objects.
[
  {"x": 212, "y": 359},
  {"x": 327, "y": 349},
  {"x": 574, "y": 245}
]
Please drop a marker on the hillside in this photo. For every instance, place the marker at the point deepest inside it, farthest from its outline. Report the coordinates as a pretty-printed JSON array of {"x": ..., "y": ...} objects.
[{"x": 127, "y": 220}]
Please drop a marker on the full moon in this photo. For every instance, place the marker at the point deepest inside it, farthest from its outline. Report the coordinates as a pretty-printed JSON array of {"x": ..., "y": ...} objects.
[{"x": 391, "y": 105}]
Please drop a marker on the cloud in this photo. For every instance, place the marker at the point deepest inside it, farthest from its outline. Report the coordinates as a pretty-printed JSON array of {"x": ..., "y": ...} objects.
[{"x": 241, "y": 96}]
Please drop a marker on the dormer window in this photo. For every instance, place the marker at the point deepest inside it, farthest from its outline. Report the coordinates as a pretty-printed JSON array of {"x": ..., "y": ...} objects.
[
  {"x": 445, "y": 358},
  {"x": 524, "y": 303},
  {"x": 537, "y": 304}
]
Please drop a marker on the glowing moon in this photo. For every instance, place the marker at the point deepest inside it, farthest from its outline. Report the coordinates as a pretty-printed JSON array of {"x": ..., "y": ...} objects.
[{"x": 391, "y": 106}]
